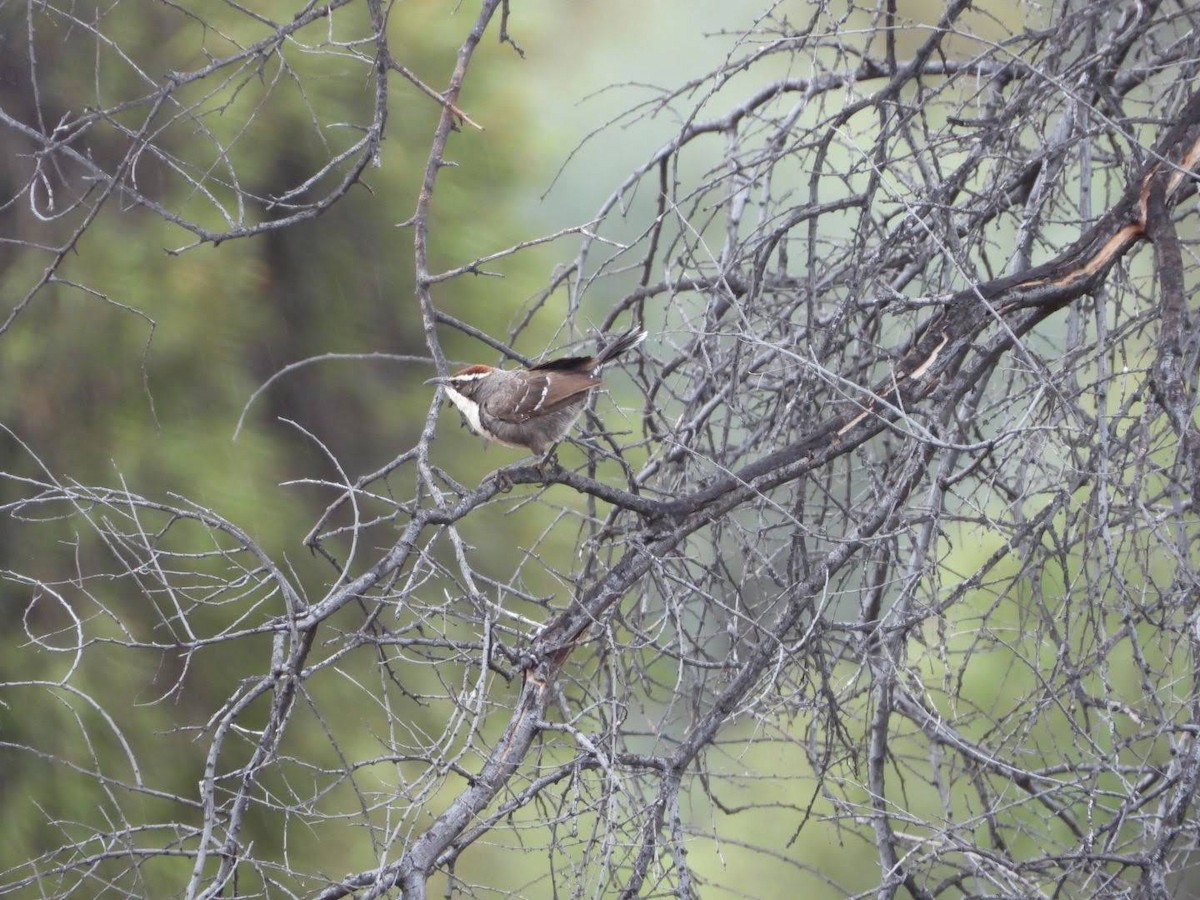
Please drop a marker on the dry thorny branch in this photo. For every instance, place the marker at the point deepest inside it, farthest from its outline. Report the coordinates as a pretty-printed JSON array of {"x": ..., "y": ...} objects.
[{"x": 903, "y": 548}]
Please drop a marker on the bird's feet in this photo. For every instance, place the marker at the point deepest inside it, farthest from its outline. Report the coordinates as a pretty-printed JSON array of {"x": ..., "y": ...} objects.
[
  {"x": 503, "y": 479},
  {"x": 549, "y": 462}
]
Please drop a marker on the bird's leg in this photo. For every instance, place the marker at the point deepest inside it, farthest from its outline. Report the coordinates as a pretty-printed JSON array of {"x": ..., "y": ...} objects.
[
  {"x": 504, "y": 482},
  {"x": 549, "y": 461}
]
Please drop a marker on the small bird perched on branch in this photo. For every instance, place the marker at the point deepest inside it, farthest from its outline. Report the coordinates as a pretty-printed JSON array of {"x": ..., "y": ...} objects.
[{"x": 535, "y": 407}]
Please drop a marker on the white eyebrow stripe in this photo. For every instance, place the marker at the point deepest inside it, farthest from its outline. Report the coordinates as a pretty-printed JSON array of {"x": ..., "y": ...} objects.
[{"x": 471, "y": 376}]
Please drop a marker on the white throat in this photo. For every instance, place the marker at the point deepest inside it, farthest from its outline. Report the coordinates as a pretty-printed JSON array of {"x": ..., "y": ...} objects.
[{"x": 469, "y": 409}]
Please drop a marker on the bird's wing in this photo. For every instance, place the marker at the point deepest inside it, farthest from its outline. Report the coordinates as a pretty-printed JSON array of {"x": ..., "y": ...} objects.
[
  {"x": 536, "y": 395},
  {"x": 569, "y": 363}
]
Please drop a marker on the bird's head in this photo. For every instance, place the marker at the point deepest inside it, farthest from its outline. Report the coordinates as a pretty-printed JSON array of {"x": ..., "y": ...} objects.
[{"x": 464, "y": 382}]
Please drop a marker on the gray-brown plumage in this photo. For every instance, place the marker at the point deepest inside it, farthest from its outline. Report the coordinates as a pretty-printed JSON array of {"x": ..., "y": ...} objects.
[{"x": 535, "y": 407}]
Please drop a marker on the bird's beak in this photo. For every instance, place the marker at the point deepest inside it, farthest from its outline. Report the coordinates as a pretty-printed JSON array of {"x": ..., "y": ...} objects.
[{"x": 440, "y": 379}]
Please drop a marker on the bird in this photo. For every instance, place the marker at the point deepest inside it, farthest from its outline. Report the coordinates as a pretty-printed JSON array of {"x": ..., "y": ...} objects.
[{"x": 531, "y": 408}]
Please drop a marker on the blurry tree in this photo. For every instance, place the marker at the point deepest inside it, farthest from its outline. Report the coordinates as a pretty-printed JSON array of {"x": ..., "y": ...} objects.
[{"x": 893, "y": 557}]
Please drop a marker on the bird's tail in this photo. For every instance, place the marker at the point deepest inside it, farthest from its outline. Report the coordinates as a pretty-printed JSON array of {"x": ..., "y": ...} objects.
[{"x": 622, "y": 343}]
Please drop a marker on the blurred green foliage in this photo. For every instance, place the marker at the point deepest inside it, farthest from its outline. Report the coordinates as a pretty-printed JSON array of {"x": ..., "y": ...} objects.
[{"x": 135, "y": 369}]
